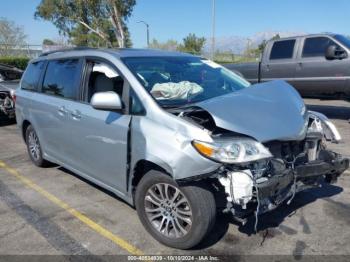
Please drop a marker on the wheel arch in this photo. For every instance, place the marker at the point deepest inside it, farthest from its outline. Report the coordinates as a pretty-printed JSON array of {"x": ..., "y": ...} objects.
[
  {"x": 24, "y": 127},
  {"x": 142, "y": 167}
]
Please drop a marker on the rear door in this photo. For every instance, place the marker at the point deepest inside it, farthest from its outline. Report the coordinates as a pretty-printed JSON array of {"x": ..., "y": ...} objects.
[
  {"x": 279, "y": 61},
  {"x": 315, "y": 75},
  {"x": 100, "y": 138},
  {"x": 29, "y": 85},
  {"x": 60, "y": 87}
]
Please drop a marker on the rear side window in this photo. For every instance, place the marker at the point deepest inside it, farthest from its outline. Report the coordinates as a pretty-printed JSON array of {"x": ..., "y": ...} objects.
[
  {"x": 282, "y": 49},
  {"x": 62, "y": 78},
  {"x": 31, "y": 76},
  {"x": 316, "y": 46}
]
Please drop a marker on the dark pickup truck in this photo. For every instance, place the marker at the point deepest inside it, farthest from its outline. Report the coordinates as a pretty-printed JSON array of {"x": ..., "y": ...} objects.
[
  {"x": 316, "y": 65},
  {"x": 9, "y": 81}
]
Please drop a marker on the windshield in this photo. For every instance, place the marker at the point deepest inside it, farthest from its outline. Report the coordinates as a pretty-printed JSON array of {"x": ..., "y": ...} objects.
[
  {"x": 344, "y": 40},
  {"x": 183, "y": 80}
]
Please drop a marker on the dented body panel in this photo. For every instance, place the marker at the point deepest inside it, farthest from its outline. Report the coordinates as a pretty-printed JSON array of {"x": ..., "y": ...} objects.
[{"x": 169, "y": 147}]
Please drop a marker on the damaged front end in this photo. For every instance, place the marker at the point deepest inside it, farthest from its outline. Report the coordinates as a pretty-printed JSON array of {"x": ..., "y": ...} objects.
[
  {"x": 261, "y": 186},
  {"x": 7, "y": 104},
  {"x": 258, "y": 176}
]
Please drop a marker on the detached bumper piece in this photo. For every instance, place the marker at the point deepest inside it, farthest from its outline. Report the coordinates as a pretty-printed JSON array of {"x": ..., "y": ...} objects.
[
  {"x": 272, "y": 186},
  {"x": 279, "y": 183},
  {"x": 274, "y": 191},
  {"x": 331, "y": 166},
  {"x": 283, "y": 184}
]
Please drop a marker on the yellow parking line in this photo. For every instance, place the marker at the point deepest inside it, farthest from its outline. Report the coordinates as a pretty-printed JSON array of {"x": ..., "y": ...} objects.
[{"x": 99, "y": 229}]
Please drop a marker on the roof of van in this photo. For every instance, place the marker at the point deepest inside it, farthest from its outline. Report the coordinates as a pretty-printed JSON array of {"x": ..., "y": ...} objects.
[{"x": 121, "y": 52}]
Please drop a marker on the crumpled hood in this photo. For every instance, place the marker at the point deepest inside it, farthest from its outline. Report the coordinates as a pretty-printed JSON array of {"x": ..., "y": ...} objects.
[{"x": 268, "y": 111}]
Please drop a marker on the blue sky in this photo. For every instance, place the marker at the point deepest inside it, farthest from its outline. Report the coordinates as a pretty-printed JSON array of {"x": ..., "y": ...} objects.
[{"x": 176, "y": 18}]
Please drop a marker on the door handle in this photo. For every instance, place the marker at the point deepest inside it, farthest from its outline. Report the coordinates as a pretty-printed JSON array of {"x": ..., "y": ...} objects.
[
  {"x": 300, "y": 65},
  {"x": 62, "y": 110},
  {"x": 76, "y": 114}
]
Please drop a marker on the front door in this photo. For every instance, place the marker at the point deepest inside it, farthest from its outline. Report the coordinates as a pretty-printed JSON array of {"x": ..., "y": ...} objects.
[
  {"x": 315, "y": 75},
  {"x": 100, "y": 138}
]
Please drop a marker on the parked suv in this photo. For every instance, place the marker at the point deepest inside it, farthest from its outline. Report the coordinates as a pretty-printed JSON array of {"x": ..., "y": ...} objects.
[{"x": 177, "y": 136}]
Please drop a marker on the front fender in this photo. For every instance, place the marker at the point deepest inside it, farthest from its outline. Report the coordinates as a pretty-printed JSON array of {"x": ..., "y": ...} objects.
[{"x": 167, "y": 148}]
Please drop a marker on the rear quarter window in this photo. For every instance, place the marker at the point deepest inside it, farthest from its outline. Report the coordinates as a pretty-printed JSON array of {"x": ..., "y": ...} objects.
[
  {"x": 31, "y": 76},
  {"x": 282, "y": 49}
]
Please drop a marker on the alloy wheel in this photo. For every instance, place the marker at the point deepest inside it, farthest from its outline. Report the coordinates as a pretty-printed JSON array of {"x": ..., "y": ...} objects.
[
  {"x": 34, "y": 146},
  {"x": 168, "y": 210}
]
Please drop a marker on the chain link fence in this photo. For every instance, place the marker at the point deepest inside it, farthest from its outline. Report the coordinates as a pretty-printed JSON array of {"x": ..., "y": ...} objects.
[
  {"x": 28, "y": 50},
  {"x": 32, "y": 51},
  {"x": 226, "y": 57}
]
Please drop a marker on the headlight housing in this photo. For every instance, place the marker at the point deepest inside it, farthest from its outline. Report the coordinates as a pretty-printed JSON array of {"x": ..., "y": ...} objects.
[{"x": 232, "y": 151}]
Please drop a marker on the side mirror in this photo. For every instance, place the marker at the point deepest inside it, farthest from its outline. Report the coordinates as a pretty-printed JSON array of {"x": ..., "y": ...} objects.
[
  {"x": 106, "y": 101},
  {"x": 335, "y": 52}
]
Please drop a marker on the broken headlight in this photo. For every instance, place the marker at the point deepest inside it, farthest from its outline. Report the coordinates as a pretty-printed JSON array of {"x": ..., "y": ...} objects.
[{"x": 233, "y": 151}]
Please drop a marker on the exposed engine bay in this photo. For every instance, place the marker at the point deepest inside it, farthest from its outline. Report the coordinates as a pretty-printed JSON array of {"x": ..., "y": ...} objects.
[
  {"x": 7, "y": 105},
  {"x": 259, "y": 186}
]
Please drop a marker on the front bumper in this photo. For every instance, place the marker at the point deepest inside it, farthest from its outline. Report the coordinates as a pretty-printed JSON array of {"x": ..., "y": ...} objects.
[
  {"x": 331, "y": 168},
  {"x": 304, "y": 173},
  {"x": 281, "y": 183}
]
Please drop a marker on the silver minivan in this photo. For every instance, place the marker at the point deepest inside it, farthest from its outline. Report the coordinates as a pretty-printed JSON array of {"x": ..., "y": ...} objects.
[{"x": 179, "y": 137}]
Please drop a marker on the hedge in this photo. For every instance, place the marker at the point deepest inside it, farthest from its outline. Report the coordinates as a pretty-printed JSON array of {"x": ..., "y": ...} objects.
[{"x": 19, "y": 62}]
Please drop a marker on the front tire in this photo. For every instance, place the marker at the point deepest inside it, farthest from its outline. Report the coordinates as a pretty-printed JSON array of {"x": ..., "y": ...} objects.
[
  {"x": 34, "y": 148},
  {"x": 177, "y": 216}
]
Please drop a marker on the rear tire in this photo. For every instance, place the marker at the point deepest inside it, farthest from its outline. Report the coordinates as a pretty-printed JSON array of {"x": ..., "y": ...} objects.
[
  {"x": 34, "y": 148},
  {"x": 186, "y": 214}
]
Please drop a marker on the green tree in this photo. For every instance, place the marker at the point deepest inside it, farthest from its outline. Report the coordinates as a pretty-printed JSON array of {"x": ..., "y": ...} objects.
[
  {"x": 11, "y": 36},
  {"x": 90, "y": 22},
  {"x": 169, "y": 45},
  {"x": 262, "y": 45},
  {"x": 48, "y": 42},
  {"x": 192, "y": 44}
]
